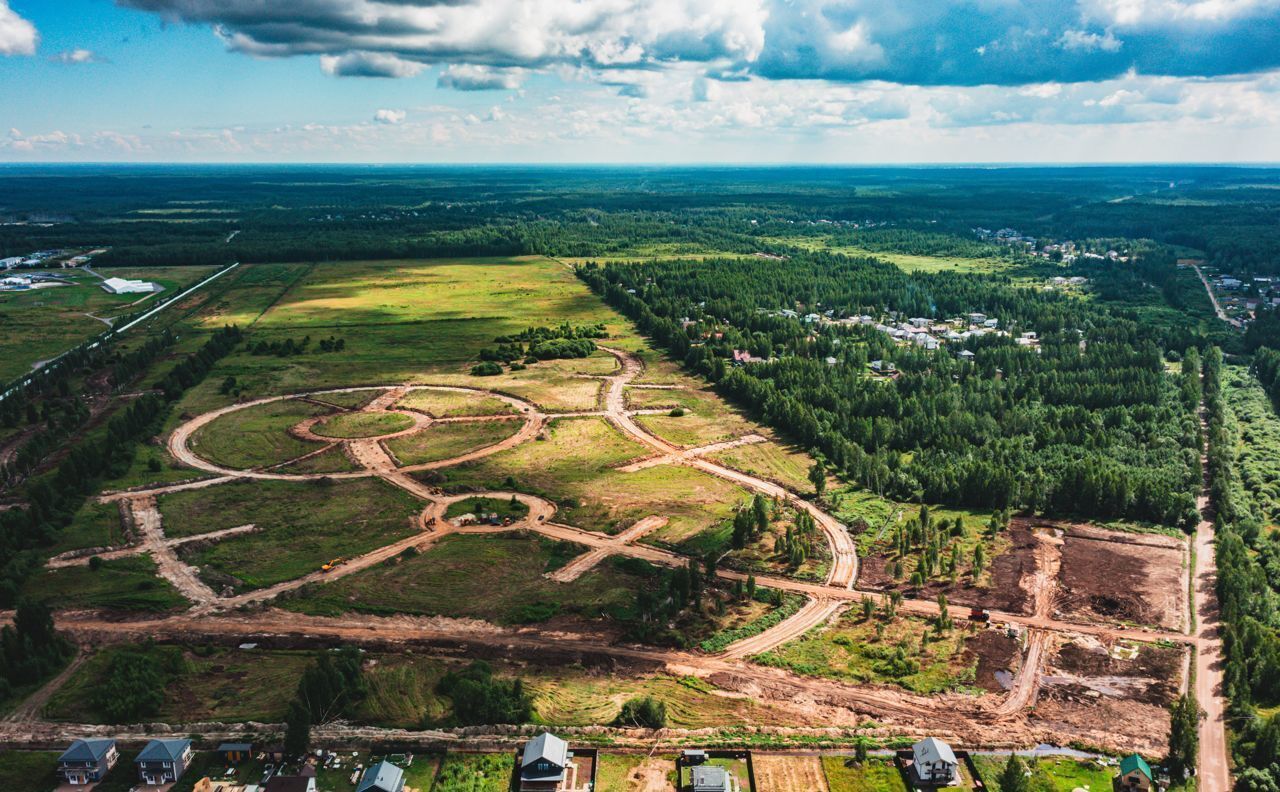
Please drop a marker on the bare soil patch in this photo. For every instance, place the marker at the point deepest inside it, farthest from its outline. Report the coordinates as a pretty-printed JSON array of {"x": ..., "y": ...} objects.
[
  {"x": 1111, "y": 576},
  {"x": 1005, "y": 593},
  {"x": 789, "y": 773},
  {"x": 998, "y": 659}
]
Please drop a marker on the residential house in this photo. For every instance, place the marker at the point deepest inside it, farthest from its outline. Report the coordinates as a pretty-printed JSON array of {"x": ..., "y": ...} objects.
[
  {"x": 543, "y": 763},
  {"x": 713, "y": 778},
  {"x": 920, "y": 322},
  {"x": 235, "y": 753},
  {"x": 163, "y": 761},
  {"x": 1135, "y": 774},
  {"x": 883, "y": 367},
  {"x": 87, "y": 761},
  {"x": 933, "y": 763},
  {"x": 965, "y": 354},
  {"x": 382, "y": 777}
]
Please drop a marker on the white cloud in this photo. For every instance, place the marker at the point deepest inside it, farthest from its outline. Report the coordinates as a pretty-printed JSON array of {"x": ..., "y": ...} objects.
[
  {"x": 1084, "y": 41},
  {"x": 389, "y": 116},
  {"x": 77, "y": 56},
  {"x": 17, "y": 35},
  {"x": 466, "y": 77}
]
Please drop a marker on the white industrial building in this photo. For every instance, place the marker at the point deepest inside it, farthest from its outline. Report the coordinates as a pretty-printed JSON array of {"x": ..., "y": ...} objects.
[{"x": 125, "y": 286}]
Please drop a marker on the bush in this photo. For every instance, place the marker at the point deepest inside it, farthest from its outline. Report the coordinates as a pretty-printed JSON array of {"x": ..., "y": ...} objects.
[
  {"x": 676, "y": 412},
  {"x": 646, "y": 712},
  {"x": 486, "y": 369},
  {"x": 480, "y": 699},
  {"x": 95, "y": 563}
]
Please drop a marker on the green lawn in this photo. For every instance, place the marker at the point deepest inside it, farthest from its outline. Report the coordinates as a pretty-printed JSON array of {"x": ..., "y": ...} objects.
[
  {"x": 453, "y": 404},
  {"x": 129, "y": 584},
  {"x": 1050, "y": 774},
  {"x": 30, "y": 771},
  {"x": 448, "y": 440},
  {"x": 256, "y": 436},
  {"x": 95, "y": 525},
  {"x": 362, "y": 424},
  {"x": 503, "y": 508},
  {"x": 301, "y": 525},
  {"x": 455, "y": 578},
  {"x": 475, "y": 773},
  {"x": 875, "y": 775}
]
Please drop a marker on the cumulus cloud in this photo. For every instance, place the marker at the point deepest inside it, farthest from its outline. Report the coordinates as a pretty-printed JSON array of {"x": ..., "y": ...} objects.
[
  {"x": 17, "y": 35},
  {"x": 920, "y": 42},
  {"x": 77, "y": 56},
  {"x": 466, "y": 77},
  {"x": 389, "y": 116},
  {"x": 368, "y": 64}
]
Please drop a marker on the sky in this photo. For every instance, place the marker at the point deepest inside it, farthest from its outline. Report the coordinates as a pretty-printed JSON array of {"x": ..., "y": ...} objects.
[{"x": 640, "y": 81}]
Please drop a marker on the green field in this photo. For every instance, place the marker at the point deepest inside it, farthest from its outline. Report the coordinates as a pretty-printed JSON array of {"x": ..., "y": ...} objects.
[
  {"x": 474, "y": 773},
  {"x": 301, "y": 525},
  {"x": 854, "y": 650},
  {"x": 706, "y": 418},
  {"x": 42, "y": 323},
  {"x": 362, "y": 424},
  {"x": 256, "y": 436},
  {"x": 121, "y": 584},
  {"x": 574, "y": 467},
  {"x": 455, "y": 578},
  {"x": 772, "y": 461},
  {"x": 448, "y": 440},
  {"x": 1050, "y": 775},
  {"x": 95, "y": 525},
  {"x": 513, "y": 509},
  {"x": 31, "y": 771},
  {"x": 453, "y": 404}
]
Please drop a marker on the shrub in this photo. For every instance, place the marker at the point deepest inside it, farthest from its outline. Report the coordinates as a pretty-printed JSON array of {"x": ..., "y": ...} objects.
[
  {"x": 646, "y": 712},
  {"x": 486, "y": 369}
]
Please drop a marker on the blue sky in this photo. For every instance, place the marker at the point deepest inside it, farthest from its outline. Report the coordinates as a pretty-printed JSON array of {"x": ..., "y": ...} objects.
[{"x": 833, "y": 81}]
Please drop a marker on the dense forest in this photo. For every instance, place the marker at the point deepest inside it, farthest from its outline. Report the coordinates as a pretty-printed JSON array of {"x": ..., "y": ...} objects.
[{"x": 1085, "y": 423}]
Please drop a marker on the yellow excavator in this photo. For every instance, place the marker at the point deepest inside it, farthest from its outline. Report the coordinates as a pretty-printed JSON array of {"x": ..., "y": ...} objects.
[{"x": 332, "y": 565}]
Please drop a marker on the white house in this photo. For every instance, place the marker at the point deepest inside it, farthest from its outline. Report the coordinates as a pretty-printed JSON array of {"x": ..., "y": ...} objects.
[{"x": 933, "y": 762}]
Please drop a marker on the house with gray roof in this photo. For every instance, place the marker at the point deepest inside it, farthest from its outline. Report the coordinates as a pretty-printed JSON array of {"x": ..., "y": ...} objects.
[
  {"x": 382, "y": 777},
  {"x": 163, "y": 761},
  {"x": 87, "y": 761},
  {"x": 933, "y": 762},
  {"x": 713, "y": 778},
  {"x": 543, "y": 763}
]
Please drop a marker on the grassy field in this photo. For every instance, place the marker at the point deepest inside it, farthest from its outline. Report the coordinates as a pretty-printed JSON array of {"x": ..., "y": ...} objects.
[
  {"x": 29, "y": 770},
  {"x": 879, "y": 652},
  {"x": 301, "y": 525},
  {"x": 452, "y": 404},
  {"x": 503, "y": 508},
  {"x": 41, "y": 323},
  {"x": 574, "y": 467},
  {"x": 553, "y": 385},
  {"x": 95, "y": 525},
  {"x": 474, "y": 773},
  {"x": 362, "y": 424},
  {"x": 455, "y": 578},
  {"x": 905, "y": 261},
  {"x": 334, "y": 460},
  {"x": 771, "y": 461},
  {"x": 1050, "y": 775},
  {"x": 875, "y": 775},
  {"x": 569, "y": 697},
  {"x": 256, "y": 436},
  {"x": 448, "y": 440},
  {"x": 706, "y": 418},
  {"x": 122, "y": 584}
]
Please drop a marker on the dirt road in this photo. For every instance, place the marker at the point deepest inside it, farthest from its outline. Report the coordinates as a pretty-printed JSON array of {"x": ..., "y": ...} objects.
[{"x": 1213, "y": 774}]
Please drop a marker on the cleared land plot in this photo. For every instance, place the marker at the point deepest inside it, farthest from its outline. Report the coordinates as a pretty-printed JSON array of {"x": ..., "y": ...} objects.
[
  {"x": 120, "y": 584},
  {"x": 334, "y": 460},
  {"x": 874, "y": 775},
  {"x": 620, "y": 773},
  {"x": 771, "y": 461},
  {"x": 256, "y": 436},
  {"x": 354, "y": 425},
  {"x": 353, "y": 400},
  {"x": 1110, "y": 576},
  {"x": 301, "y": 525},
  {"x": 453, "y": 404},
  {"x": 789, "y": 773},
  {"x": 855, "y": 650},
  {"x": 706, "y": 418},
  {"x": 553, "y": 385},
  {"x": 1110, "y": 693},
  {"x": 449, "y": 440},
  {"x": 456, "y": 578},
  {"x": 574, "y": 467}
]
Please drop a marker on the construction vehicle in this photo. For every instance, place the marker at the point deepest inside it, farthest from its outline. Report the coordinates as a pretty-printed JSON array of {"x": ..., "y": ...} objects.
[
  {"x": 979, "y": 615},
  {"x": 332, "y": 565}
]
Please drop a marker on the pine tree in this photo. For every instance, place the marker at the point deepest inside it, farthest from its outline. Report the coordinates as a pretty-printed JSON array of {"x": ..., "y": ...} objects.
[{"x": 1014, "y": 776}]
